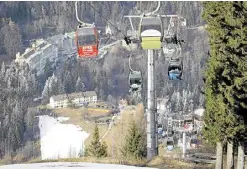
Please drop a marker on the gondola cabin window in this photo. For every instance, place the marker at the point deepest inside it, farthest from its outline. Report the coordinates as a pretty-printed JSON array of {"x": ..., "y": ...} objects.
[
  {"x": 135, "y": 81},
  {"x": 87, "y": 40},
  {"x": 150, "y": 27},
  {"x": 149, "y": 24},
  {"x": 169, "y": 143}
]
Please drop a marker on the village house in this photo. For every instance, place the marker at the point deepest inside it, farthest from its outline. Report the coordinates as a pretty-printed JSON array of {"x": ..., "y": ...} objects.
[
  {"x": 178, "y": 122},
  {"x": 76, "y": 99}
]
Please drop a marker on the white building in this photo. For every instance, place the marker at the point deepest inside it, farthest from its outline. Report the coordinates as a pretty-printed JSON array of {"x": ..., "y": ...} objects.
[
  {"x": 78, "y": 99},
  {"x": 177, "y": 122},
  {"x": 37, "y": 55},
  {"x": 71, "y": 39},
  {"x": 65, "y": 43}
]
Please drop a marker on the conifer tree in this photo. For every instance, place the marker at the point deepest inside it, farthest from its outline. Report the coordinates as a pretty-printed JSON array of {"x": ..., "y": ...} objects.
[
  {"x": 220, "y": 108},
  {"x": 225, "y": 80},
  {"x": 96, "y": 148},
  {"x": 135, "y": 144}
]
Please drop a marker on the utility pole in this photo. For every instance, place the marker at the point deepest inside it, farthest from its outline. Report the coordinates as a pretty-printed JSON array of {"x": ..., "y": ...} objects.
[{"x": 152, "y": 137}]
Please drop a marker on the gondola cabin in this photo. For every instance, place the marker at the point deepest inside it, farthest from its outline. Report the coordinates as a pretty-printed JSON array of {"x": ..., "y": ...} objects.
[
  {"x": 170, "y": 144},
  {"x": 87, "y": 42},
  {"x": 175, "y": 69},
  {"x": 151, "y": 32},
  {"x": 194, "y": 143},
  {"x": 135, "y": 80}
]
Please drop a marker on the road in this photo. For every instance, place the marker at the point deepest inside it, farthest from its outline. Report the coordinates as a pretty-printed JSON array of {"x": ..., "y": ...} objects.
[
  {"x": 70, "y": 165},
  {"x": 109, "y": 128}
]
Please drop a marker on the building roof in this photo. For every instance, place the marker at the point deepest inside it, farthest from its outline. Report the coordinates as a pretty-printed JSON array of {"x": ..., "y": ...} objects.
[
  {"x": 59, "y": 97},
  {"x": 89, "y": 93},
  {"x": 28, "y": 53},
  {"x": 40, "y": 44},
  {"x": 74, "y": 95}
]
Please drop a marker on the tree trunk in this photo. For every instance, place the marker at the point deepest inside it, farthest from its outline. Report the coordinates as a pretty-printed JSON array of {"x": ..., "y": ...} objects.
[
  {"x": 229, "y": 155},
  {"x": 219, "y": 156},
  {"x": 240, "y": 156}
]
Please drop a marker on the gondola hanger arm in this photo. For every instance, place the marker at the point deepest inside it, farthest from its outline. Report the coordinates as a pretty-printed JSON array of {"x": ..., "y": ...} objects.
[
  {"x": 78, "y": 19},
  {"x": 152, "y": 13}
]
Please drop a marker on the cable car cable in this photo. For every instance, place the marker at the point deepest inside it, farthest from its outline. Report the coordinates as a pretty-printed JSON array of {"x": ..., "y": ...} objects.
[{"x": 127, "y": 40}]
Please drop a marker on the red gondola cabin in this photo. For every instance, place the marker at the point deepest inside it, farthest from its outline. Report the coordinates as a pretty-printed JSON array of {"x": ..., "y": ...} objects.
[{"x": 87, "y": 42}]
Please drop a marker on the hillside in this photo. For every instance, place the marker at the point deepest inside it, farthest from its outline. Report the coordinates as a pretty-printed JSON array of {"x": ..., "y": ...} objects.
[{"x": 22, "y": 22}]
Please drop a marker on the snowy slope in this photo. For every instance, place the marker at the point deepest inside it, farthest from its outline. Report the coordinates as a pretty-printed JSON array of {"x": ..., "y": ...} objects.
[
  {"x": 68, "y": 165},
  {"x": 60, "y": 140}
]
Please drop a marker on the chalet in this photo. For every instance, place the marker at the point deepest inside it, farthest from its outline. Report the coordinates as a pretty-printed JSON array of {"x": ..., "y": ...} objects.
[{"x": 77, "y": 99}]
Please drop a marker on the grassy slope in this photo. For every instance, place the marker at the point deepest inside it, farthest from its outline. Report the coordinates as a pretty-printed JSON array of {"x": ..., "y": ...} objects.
[{"x": 115, "y": 139}]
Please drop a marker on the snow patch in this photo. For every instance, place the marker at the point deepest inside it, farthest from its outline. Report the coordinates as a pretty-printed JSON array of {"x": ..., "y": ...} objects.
[{"x": 60, "y": 140}]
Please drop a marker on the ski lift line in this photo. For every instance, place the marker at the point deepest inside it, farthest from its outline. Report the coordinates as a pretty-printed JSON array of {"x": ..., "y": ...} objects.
[{"x": 105, "y": 19}]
